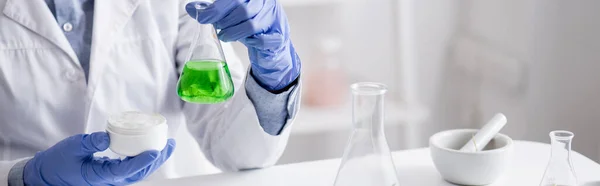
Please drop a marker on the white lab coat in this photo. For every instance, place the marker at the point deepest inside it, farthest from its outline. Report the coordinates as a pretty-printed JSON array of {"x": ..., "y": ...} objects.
[{"x": 136, "y": 46}]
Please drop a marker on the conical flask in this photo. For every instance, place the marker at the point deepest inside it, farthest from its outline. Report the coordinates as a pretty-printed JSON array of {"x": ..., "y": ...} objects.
[
  {"x": 205, "y": 78},
  {"x": 367, "y": 160},
  {"x": 560, "y": 170}
]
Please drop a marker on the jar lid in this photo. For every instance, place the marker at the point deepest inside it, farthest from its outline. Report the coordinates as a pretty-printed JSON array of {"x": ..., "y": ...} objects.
[{"x": 134, "y": 122}]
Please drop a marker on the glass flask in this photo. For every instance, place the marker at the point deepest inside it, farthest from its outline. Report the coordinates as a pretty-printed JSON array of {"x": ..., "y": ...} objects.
[
  {"x": 367, "y": 160},
  {"x": 560, "y": 170},
  {"x": 205, "y": 78}
]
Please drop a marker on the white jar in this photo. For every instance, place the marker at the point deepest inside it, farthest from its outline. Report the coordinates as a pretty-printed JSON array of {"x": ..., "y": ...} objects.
[{"x": 132, "y": 133}]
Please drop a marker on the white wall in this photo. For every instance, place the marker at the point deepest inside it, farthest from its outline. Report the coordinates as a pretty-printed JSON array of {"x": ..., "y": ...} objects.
[
  {"x": 434, "y": 23},
  {"x": 544, "y": 76},
  {"x": 565, "y": 85},
  {"x": 426, "y": 29}
]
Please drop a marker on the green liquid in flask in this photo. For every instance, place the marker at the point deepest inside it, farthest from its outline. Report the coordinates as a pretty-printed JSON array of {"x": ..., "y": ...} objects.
[{"x": 205, "y": 82}]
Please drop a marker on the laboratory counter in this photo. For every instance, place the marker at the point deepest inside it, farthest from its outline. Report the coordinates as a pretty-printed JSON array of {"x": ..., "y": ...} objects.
[{"x": 414, "y": 167}]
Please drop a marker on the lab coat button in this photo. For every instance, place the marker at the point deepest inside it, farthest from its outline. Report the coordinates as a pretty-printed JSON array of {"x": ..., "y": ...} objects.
[
  {"x": 67, "y": 27},
  {"x": 72, "y": 75}
]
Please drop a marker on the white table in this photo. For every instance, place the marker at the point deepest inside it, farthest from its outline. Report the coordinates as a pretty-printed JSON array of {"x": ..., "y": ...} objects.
[{"x": 414, "y": 168}]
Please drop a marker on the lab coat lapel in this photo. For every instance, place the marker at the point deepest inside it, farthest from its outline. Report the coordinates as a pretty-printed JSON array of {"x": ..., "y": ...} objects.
[
  {"x": 110, "y": 17},
  {"x": 36, "y": 16}
]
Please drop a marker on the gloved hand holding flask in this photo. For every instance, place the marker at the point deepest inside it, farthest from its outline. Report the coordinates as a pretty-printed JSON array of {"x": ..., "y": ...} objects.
[{"x": 262, "y": 26}]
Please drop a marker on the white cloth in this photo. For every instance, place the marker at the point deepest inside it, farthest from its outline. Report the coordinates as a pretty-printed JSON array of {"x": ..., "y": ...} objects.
[{"x": 136, "y": 46}]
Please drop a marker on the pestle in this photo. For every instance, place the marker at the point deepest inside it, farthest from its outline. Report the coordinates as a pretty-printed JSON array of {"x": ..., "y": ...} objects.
[{"x": 485, "y": 134}]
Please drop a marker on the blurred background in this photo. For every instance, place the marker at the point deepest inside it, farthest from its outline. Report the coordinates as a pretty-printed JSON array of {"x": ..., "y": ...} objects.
[{"x": 448, "y": 64}]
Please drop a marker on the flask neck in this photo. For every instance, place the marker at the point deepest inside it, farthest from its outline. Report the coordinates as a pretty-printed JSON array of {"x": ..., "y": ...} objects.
[
  {"x": 367, "y": 108},
  {"x": 561, "y": 147}
]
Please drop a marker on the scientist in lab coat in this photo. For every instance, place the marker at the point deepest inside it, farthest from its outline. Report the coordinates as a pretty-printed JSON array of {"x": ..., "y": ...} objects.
[{"x": 65, "y": 65}]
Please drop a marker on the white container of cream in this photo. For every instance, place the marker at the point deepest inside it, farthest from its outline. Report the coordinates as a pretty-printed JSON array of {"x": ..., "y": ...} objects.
[{"x": 132, "y": 133}]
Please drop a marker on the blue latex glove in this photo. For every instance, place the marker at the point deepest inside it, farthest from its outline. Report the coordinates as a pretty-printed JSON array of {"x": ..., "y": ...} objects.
[
  {"x": 262, "y": 26},
  {"x": 71, "y": 162}
]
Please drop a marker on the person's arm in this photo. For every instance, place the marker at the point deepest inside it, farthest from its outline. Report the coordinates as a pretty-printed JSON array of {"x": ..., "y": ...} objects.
[
  {"x": 251, "y": 129},
  {"x": 5, "y": 171}
]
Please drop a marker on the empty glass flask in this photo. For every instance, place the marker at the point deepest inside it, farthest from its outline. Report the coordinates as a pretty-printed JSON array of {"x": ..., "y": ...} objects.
[
  {"x": 205, "y": 78},
  {"x": 559, "y": 171},
  {"x": 367, "y": 160}
]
